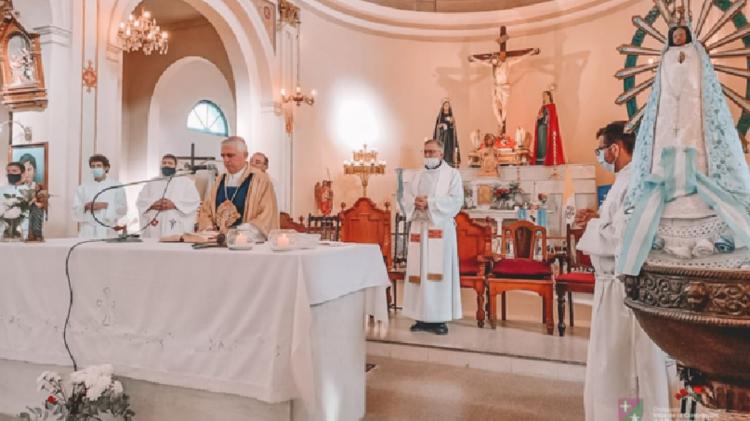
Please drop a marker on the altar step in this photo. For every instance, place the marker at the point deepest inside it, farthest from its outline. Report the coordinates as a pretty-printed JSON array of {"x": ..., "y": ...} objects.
[
  {"x": 487, "y": 361},
  {"x": 519, "y": 345}
]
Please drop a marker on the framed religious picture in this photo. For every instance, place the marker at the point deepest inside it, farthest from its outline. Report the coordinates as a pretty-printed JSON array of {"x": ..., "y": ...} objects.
[
  {"x": 20, "y": 64},
  {"x": 34, "y": 158}
]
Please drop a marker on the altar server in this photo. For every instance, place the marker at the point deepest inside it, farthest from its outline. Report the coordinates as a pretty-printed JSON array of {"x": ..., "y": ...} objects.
[
  {"x": 109, "y": 208},
  {"x": 432, "y": 295},
  {"x": 170, "y": 212},
  {"x": 622, "y": 360}
]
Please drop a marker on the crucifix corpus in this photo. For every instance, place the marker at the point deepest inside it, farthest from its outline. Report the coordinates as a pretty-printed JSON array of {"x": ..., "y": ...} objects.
[{"x": 501, "y": 61}]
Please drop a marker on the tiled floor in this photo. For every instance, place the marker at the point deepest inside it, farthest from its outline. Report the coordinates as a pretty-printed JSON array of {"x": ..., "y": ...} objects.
[
  {"x": 401, "y": 390},
  {"x": 522, "y": 335}
]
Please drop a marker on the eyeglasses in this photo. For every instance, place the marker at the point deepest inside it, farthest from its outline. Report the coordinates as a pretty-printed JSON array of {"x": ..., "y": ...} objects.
[{"x": 598, "y": 150}]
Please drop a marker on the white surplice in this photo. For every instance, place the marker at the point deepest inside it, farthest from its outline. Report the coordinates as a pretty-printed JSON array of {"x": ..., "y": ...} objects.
[
  {"x": 622, "y": 361},
  {"x": 116, "y": 209},
  {"x": 432, "y": 291},
  {"x": 182, "y": 219}
]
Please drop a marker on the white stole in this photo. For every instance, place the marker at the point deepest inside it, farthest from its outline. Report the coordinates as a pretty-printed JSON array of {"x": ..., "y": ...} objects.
[{"x": 426, "y": 234}]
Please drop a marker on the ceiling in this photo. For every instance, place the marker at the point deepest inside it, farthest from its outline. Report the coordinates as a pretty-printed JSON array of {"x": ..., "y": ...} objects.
[
  {"x": 169, "y": 12},
  {"x": 454, "y": 6}
]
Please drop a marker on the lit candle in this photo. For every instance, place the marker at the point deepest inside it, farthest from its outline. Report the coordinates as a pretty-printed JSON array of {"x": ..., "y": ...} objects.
[
  {"x": 282, "y": 241},
  {"x": 240, "y": 239}
]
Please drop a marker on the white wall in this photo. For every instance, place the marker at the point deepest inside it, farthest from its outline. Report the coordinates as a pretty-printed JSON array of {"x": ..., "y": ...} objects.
[
  {"x": 172, "y": 102},
  {"x": 385, "y": 91}
]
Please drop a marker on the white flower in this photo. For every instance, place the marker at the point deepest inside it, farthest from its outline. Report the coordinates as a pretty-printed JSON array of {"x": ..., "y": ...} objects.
[
  {"x": 12, "y": 213},
  {"x": 96, "y": 379},
  {"x": 46, "y": 378},
  {"x": 117, "y": 388}
]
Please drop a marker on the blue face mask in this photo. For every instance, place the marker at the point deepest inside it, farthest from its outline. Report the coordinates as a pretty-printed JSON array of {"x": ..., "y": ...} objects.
[
  {"x": 608, "y": 166},
  {"x": 168, "y": 171},
  {"x": 97, "y": 172}
]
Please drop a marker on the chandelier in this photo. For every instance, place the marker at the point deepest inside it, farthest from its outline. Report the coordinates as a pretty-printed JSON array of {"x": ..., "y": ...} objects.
[
  {"x": 142, "y": 33},
  {"x": 364, "y": 164},
  {"x": 298, "y": 97}
]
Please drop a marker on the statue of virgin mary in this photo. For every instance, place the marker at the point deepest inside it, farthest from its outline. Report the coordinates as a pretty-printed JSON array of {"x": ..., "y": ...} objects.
[
  {"x": 688, "y": 200},
  {"x": 445, "y": 131}
]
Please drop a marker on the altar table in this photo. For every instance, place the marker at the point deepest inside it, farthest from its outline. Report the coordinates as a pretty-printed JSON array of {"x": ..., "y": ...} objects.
[{"x": 234, "y": 322}]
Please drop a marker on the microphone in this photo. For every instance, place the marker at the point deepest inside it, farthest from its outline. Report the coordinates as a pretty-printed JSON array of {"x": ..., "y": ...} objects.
[{"x": 124, "y": 236}]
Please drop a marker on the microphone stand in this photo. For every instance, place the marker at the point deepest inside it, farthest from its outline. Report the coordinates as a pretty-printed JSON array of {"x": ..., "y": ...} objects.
[{"x": 124, "y": 237}]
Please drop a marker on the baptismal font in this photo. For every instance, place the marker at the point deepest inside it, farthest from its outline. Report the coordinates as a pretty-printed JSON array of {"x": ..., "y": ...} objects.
[{"x": 685, "y": 260}]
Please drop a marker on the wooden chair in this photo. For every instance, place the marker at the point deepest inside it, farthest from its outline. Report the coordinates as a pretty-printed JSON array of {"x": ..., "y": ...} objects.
[
  {"x": 527, "y": 268},
  {"x": 365, "y": 223},
  {"x": 474, "y": 251},
  {"x": 579, "y": 277},
  {"x": 286, "y": 222},
  {"x": 329, "y": 227}
]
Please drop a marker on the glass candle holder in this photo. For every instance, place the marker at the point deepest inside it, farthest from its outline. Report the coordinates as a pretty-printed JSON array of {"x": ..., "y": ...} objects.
[
  {"x": 280, "y": 240},
  {"x": 239, "y": 239}
]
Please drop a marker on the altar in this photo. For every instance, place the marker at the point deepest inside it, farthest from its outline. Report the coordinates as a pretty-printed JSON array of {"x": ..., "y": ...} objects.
[
  {"x": 280, "y": 331},
  {"x": 533, "y": 180}
]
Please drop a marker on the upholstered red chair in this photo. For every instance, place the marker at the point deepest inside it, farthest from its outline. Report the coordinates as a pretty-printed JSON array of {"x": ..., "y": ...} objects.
[
  {"x": 579, "y": 277},
  {"x": 522, "y": 265},
  {"x": 365, "y": 223},
  {"x": 286, "y": 222},
  {"x": 474, "y": 251}
]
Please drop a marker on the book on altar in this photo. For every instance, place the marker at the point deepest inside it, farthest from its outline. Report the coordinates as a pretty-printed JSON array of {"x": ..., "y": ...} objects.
[{"x": 191, "y": 237}]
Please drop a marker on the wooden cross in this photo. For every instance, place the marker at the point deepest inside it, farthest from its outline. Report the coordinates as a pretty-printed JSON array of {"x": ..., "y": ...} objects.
[{"x": 503, "y": 43}]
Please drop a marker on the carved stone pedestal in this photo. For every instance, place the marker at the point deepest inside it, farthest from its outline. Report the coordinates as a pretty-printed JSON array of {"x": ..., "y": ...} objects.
[{"x": 702, "y": 319}]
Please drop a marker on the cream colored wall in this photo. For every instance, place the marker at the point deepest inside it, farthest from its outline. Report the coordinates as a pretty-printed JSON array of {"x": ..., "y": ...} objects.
[
  {"x": 386, "y": 92},
  {"x": 140, "y": 76}
]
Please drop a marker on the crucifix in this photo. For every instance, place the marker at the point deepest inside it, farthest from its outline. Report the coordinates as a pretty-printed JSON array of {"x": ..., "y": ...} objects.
[{"x": 501, "y": 62}]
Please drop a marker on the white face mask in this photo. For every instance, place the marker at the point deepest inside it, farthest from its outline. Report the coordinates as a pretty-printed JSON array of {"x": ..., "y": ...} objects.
[
  {"x": 608, "y": 166},
  {"x": 431, "y": 162},
  {"x": 97, "y": 172}
]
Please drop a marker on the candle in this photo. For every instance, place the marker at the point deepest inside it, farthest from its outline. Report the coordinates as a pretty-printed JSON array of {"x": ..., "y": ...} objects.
[
  {"x": 282, "y": 241},
  {"x": 240, "y": 239}
]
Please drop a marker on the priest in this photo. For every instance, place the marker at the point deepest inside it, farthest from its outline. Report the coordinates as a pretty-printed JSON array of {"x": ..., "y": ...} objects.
[
  {"x": 109, "y": 208},
  {"x": 432, "y": 295},
  {"x": 168, "y": 206},
  {"x": 243, "y": 194}
]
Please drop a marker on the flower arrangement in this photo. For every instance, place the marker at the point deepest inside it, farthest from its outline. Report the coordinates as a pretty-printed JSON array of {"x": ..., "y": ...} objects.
[
  {"x": 696, "y": 393},
  {"x": 14, "y": 208},
  {"x": 508, "y": 197},
  {"x": 90, "y": 392}
]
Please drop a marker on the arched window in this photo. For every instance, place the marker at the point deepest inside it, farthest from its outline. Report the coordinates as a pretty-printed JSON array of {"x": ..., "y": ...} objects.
[{"x": 207, "y": 117}]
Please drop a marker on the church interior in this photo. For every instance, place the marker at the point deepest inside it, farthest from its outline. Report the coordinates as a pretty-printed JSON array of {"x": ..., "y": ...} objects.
[{"x": 398, "y": 209}]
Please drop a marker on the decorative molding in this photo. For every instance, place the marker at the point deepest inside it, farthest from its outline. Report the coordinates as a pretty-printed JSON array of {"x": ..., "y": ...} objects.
[
  {"x": 89, "y": 77},
  {"x": 113, "y": 52},
  {"x": 525, "y": 20},
  {"x": 54, "y": 35},
  {"x": 289, "y": 13}
]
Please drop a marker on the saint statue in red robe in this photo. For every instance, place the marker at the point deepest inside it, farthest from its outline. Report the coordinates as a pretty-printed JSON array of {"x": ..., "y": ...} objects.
[{"x": 547, "y": 148}]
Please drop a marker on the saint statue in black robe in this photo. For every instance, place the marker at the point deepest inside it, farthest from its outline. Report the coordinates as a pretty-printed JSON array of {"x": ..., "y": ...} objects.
[{"x": 445, "y": 131}]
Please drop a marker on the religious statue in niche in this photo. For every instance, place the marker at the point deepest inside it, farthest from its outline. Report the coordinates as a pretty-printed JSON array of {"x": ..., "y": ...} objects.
[
  {"x": 547, "y": 148},
  {"x": 501, "y": 62},
  {"x": 21, "y": 60},
  {"x": 20, "y": 63},
  {"x": 324, "y": 197},
  {"x": 445, "y": 131}
]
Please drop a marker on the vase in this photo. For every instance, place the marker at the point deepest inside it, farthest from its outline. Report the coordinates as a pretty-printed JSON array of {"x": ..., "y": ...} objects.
[{"x": 12, "y": 231}]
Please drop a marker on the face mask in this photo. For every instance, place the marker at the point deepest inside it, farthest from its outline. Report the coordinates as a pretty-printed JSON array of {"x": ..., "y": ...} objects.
[
  {"x": 603, "y": 162},
  {"x": 97, "y": 172},
  {"x": 431, "y": 162},
  {"x": 14, "y": 178},
  {"x": 168, "y": 171}
]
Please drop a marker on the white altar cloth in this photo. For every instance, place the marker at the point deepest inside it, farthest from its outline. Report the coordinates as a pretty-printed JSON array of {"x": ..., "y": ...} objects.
[{"x": 235, "y": 322}]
